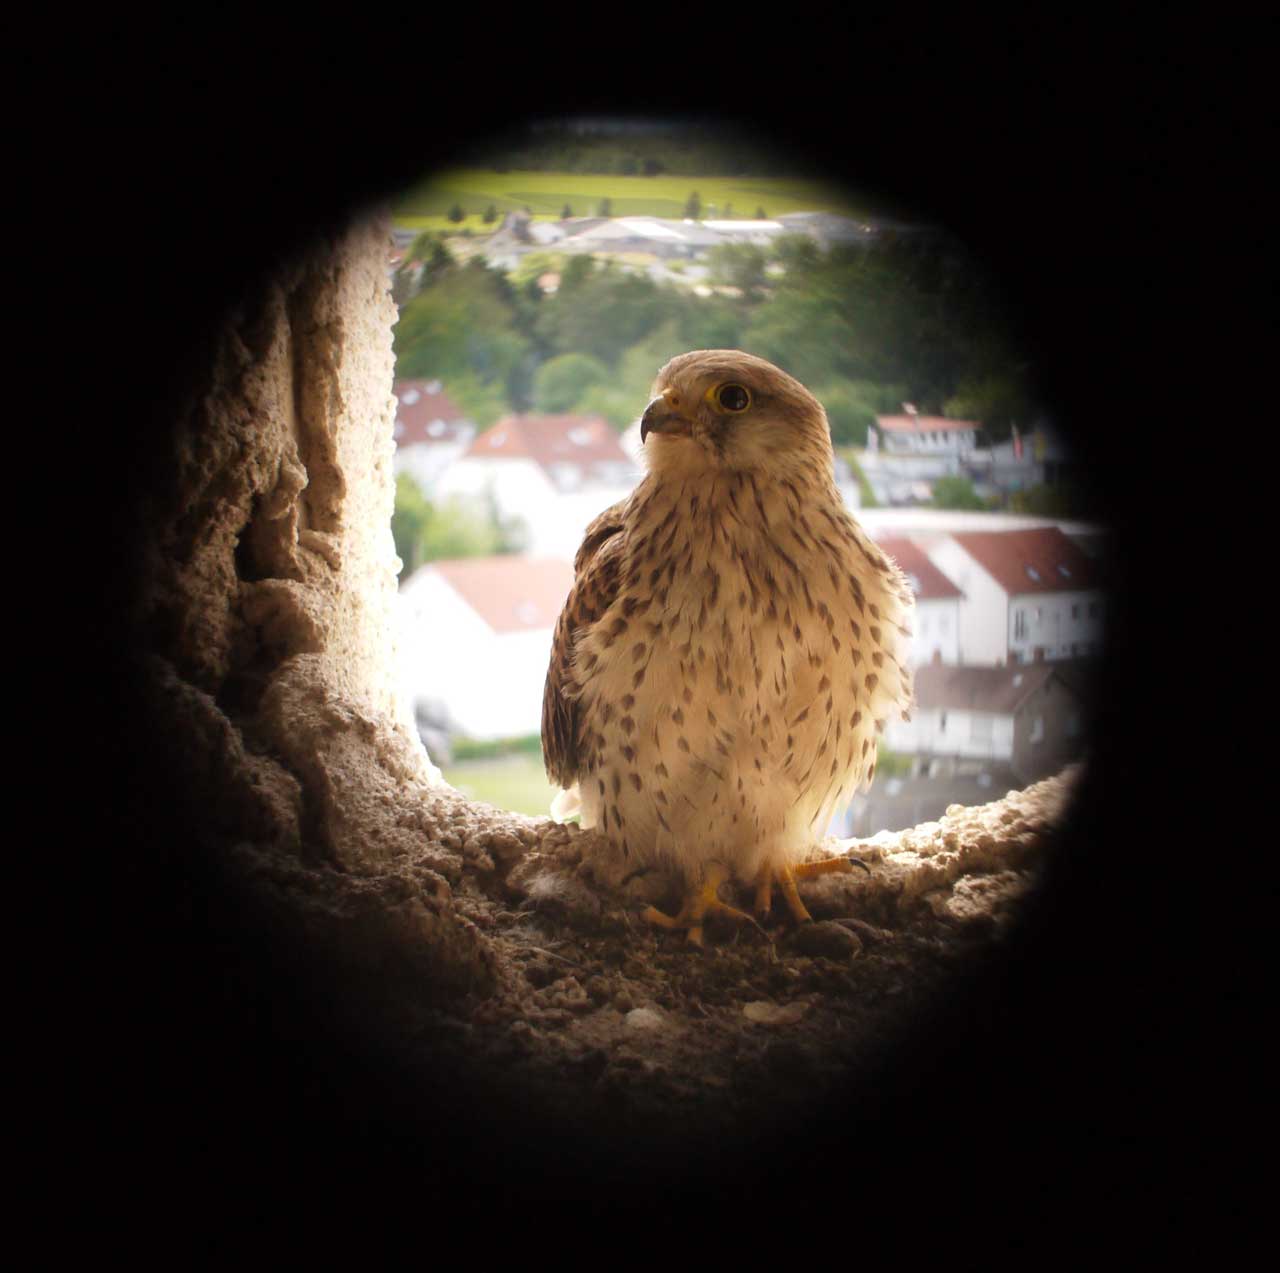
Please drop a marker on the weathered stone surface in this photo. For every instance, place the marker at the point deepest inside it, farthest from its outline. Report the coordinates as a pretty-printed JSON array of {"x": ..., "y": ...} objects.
[{"x": 269, "y": 684}]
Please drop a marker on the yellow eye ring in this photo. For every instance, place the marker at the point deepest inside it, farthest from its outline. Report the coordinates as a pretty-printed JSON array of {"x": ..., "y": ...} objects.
[{"x": 731, "y": 397}]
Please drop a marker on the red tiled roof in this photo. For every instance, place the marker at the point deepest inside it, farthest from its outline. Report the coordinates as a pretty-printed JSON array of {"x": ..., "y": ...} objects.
[
  {"x": 928, "y": 582},
  {"x": 421, "y": 404},
  {"x": 584, "y": 441},
  {"x": 922, "y": 423},
  {"x": 1021, "y": 561},
  {"x": 511, "y": 593}
]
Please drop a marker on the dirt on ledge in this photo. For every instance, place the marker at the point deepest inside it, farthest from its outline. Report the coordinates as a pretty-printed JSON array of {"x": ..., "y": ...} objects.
[{"x": 591, "y": 1022}]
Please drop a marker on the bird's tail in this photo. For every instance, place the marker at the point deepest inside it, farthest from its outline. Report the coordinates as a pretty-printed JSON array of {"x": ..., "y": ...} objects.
[{"x": 567, "y": 805}]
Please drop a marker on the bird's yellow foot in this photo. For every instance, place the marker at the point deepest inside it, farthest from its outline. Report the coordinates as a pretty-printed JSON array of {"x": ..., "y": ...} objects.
[
  {"x": 701, "y": 901},
  {"x": 786, "y": 876}
]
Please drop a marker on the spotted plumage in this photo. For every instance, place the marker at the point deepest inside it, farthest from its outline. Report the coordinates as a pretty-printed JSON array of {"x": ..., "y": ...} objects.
[{"x": 733, "y": 641}]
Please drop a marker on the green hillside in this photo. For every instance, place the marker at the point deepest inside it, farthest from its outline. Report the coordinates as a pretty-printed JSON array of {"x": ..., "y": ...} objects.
[{"x": 427, "y": 204}]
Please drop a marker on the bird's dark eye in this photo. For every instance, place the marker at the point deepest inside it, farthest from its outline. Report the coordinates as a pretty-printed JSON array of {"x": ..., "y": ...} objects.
[{"x": 733, "y": 397}]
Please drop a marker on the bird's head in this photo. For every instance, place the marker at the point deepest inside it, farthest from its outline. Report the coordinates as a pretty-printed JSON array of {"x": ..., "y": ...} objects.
[{"x": 716, "y": 409}]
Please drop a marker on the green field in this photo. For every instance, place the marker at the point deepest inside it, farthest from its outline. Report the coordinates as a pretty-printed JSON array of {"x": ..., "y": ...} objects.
[
  {"x": 514, "y": 782},
  {"x": 426, "y": 205}
]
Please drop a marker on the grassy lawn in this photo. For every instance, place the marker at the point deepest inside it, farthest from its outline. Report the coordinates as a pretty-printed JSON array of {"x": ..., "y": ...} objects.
[
  {"x": 426, "y": 205},
  {"x": 515, "y": 782}
]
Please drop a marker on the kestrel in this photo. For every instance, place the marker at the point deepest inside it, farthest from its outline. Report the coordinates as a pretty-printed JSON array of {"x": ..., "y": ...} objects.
[{"x": 732, "y": 645}]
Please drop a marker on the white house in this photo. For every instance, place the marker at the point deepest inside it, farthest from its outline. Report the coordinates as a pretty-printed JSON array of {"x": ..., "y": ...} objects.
[
  {"x": 430, "y": 431},
  {"x": 555, "y": 472},
  {"x": 1033, "y": 719},
  {"x": 1029, "y": 595},
  {"x": 936, "y": 631},
  {"x": 906, "y": 454},
  {"x": 914, "y": 434},
  {"x": 475, "y": 640}
]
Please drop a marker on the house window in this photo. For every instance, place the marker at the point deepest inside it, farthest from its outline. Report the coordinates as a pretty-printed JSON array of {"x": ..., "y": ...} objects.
[
  {"x": 1093, "y": 609},
  {"x": 1073, "y": 725},
  {"x": 1037, "y": 730},
  {"x": 942, "y": 723},
  {"x": 1075, "y": 610},
  {"x": 1020, "y": 625}
]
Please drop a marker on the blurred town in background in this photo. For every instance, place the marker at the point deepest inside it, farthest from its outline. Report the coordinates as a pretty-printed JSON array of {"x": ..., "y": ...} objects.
[{"x": 541, "y": 287}]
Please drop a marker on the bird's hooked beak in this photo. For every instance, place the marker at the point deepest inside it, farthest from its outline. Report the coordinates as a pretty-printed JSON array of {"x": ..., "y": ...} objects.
[{"x": 661, "y": 417}]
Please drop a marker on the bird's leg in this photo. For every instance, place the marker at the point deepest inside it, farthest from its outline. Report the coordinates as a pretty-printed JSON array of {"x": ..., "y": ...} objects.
[
  {"x": 786, "y": 877},
  {"x": 701, "y": 900}
]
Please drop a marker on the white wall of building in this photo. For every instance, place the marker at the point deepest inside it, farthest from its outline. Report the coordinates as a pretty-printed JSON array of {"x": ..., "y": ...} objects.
[
  {"x": 984, "y": 621},
  {"x": 563, "y": 522},
  {"x": 926, "y": 441},
  {"x": 555, "y": 521},
  {"x": 1062, "y": 624},
  {"x": 966, "y": 735},
  {"x": 426, "y": 464},
  {"x": 519, "y": 485},
  {"x": 936, "y": 631},
  {"x": 490, "y": 683}
]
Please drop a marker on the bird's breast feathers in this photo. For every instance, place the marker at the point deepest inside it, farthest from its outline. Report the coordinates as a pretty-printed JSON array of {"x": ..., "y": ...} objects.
[{"x": 729, "y": 696}]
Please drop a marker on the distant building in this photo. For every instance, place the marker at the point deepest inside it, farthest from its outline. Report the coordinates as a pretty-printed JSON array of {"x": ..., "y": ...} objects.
[
  {"x": 555, "y": 472},
  {"x": 1034, "y": 457},
  {"x": 1029, "y": 595},
  {"x": 936, "y": 630},
  {"x": 475, "y": 638},
  {"x": 431, "y": 431},
  {"x": 759, "y": 233},
  {"x": 829, "y": 228},
  {"x": 906, "y": 454},
  {"x": 1034, "y": 719},
  {"x": 914, "y": 434},
  {"x": 929, "y": 526},
  {"x": 656, "y": 236}
]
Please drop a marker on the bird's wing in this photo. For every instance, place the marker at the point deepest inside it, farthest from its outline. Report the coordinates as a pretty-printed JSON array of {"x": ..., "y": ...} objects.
[{"x": 597, "y": 571}]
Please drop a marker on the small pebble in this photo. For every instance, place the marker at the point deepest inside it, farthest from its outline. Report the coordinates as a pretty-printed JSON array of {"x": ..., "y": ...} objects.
[
  {"x": 643, "y": 1019},
  {"x": 762, "y": 1012},
  {"x": 828, "y": 939}
]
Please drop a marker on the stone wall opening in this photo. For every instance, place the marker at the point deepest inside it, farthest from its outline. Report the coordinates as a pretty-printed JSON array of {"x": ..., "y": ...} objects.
[
  {"x": 435, "y": 935},
  {"x": 222, "y": 871}
]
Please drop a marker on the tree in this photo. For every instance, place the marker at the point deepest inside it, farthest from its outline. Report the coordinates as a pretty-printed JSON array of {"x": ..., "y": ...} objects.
[
  {"x": 796, "y": 253},
  {"x": 566, "y": 212},
  {"x": 579, "y": 268},
  {"x": 409, "y": 521},
  {"x": 693, "y": 207},
  {"x": 760, "y": 216},
  {"x": 439, "y": 261},
  {"x": 560, "y": 383},
  {"x": 739, "y": 265},
  {"x": 849, "y": 415},
  {"x": 603, "y": 313},
  {"x": 605, "y": 207},
  {"x": 456, "y": 213},
  {"x": 420, "y": 248},
  {"x": 463, "y": 329},
  {"x": 956, "y": 492},
  {"x": 425, "y": 531},
  {"x": 995, "y": 400},
  {"x": 490, "y": 215}
]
